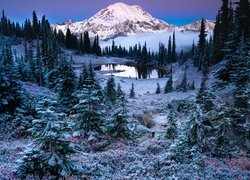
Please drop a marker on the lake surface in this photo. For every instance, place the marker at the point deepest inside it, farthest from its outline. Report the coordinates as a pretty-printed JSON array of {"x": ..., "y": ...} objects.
[{"x": 130, "y": 71}]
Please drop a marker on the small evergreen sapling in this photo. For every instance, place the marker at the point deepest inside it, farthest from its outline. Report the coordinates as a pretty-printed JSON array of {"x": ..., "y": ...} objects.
[
  {"x": 192, "y": 86},
  {"x": 132, "y": 92},
  {"x": 158, "y": 89},
  {"x": 119, "y": 91}
]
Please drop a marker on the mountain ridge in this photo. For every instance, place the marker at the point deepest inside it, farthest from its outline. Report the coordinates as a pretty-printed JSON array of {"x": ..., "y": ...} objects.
[{"x": 120, "y": 19}]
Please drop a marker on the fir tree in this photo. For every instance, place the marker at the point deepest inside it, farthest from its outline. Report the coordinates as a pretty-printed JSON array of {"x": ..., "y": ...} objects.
[
  {"x": 83, "y": 77},
  {"x": 132, "y": 92},
  {"x": 162, "y": 55},
  {"x": 173, "y": 56},
  {"x": 88, "y": 111},
  {"x": 192, "y": 87},
  {"x": 87, "y": 45},
  {"x": 23, "y": 69},
  {"x": 204, "y": 97},
  {"x": 55, "y": 79},
  {"x": 49, "y": 154},
  {"x": 110, "y": 90},
  {"x": 193, "y": 50},
  {"x": 240, "y": 75},
  {"x": 68, "y": 85},
  {"x": 169, "y": 85},
  {"x": 119, "y": 92},
  {"x": 158, "y": 89},
  {"x": 171, "y": 130},
  {"x": 36, "y": 28},
  {"x": 224, "y": 13},
  {"x": 118, "y": 127},
  {"x": 243, "y": 17},
  {"x": 184, "y": 85},
  {"x": 39, "y": 68},
  {"x": 68, "y": 39},
  {"x": 91, "y": 74},
  {"x": 191, "y": 137},
  {"x": 201, "y": 43},
  {"x": 169, "y": 54},
  {"x": 81, "y": 44},
  {"x": 144, "y": 56},
  {"x": 10, "y": 88}
]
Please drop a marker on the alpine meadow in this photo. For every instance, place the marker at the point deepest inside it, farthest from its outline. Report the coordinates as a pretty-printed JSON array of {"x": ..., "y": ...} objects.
[{"x": 139, "y": 90}]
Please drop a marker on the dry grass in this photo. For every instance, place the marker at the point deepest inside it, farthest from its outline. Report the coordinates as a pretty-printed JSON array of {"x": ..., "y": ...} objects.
[{"x": 147, "y": 120}]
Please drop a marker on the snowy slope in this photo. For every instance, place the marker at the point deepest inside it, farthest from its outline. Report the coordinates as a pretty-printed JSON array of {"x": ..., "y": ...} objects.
[
  {"x": 118, "y": 19},
  {"x": 195, "y": 26}
]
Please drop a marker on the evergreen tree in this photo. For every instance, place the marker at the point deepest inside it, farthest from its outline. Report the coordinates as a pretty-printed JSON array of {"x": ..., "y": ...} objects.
[
  {"x": 96, "y": 49},
  {"x": 113, "y": 48},
  {"x": 171, "y": 130},
  {"x": 87, "y": 45},
  {"x": 191, "y": 137},
  {"x": 173, "y": 56},
  {"x": 144, "y": 59},
  {"x": 110, "y": 90},
  {"x": 169, "y": 85},
  {"x": 68, "y": 39},
  {"x": 132, "y": 92},
  {"x": 10, "y": 88},
  {"x": 204, "y": 97},
  {"x": 169, "y": 55},
  {"x": 119, "y": 92},
  {"x": 184, "y": 85},
  {"x": 49, "y": 154},
  {"x": 83, "y": 77},
  {"x": 68, "y": 85},
  {"x": 35, "y": 24},
  {"x": 217, "y": 42},
  {"x": 224, "y": 13},
  {"x": 192, "y": 87},
  {"x": 201, "y": 43},
  {"x": 88, "y": 111},
  {"x": 222, "y": 144},
  {"x": 23, "y": 69},
  {"x": 39, "y": 68},
  {"x": 193, "y": 50},
  {"x": 29, "y": 57},
  {"x": 118, "y": 127},
  {"x": 55, "y": 79},
  {"x": 243, "y": 20},
  {"x": 4, "y": 24},
  {"x": 240, "y": 75},
  {"x": 158, "y": 89},
  {"x": 162, "y": 55},
  {"x": 91, "y": 74},
  {"x": 81, "y": 44}
]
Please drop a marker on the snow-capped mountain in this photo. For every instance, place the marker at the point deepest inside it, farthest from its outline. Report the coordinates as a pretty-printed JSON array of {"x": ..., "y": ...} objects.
[
  {"x": 118, "y": 19},
  {"x": 195, "y": 26}
]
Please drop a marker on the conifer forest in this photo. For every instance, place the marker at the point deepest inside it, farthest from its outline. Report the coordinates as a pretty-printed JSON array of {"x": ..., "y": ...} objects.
[{"x": 90, "y": 100}]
